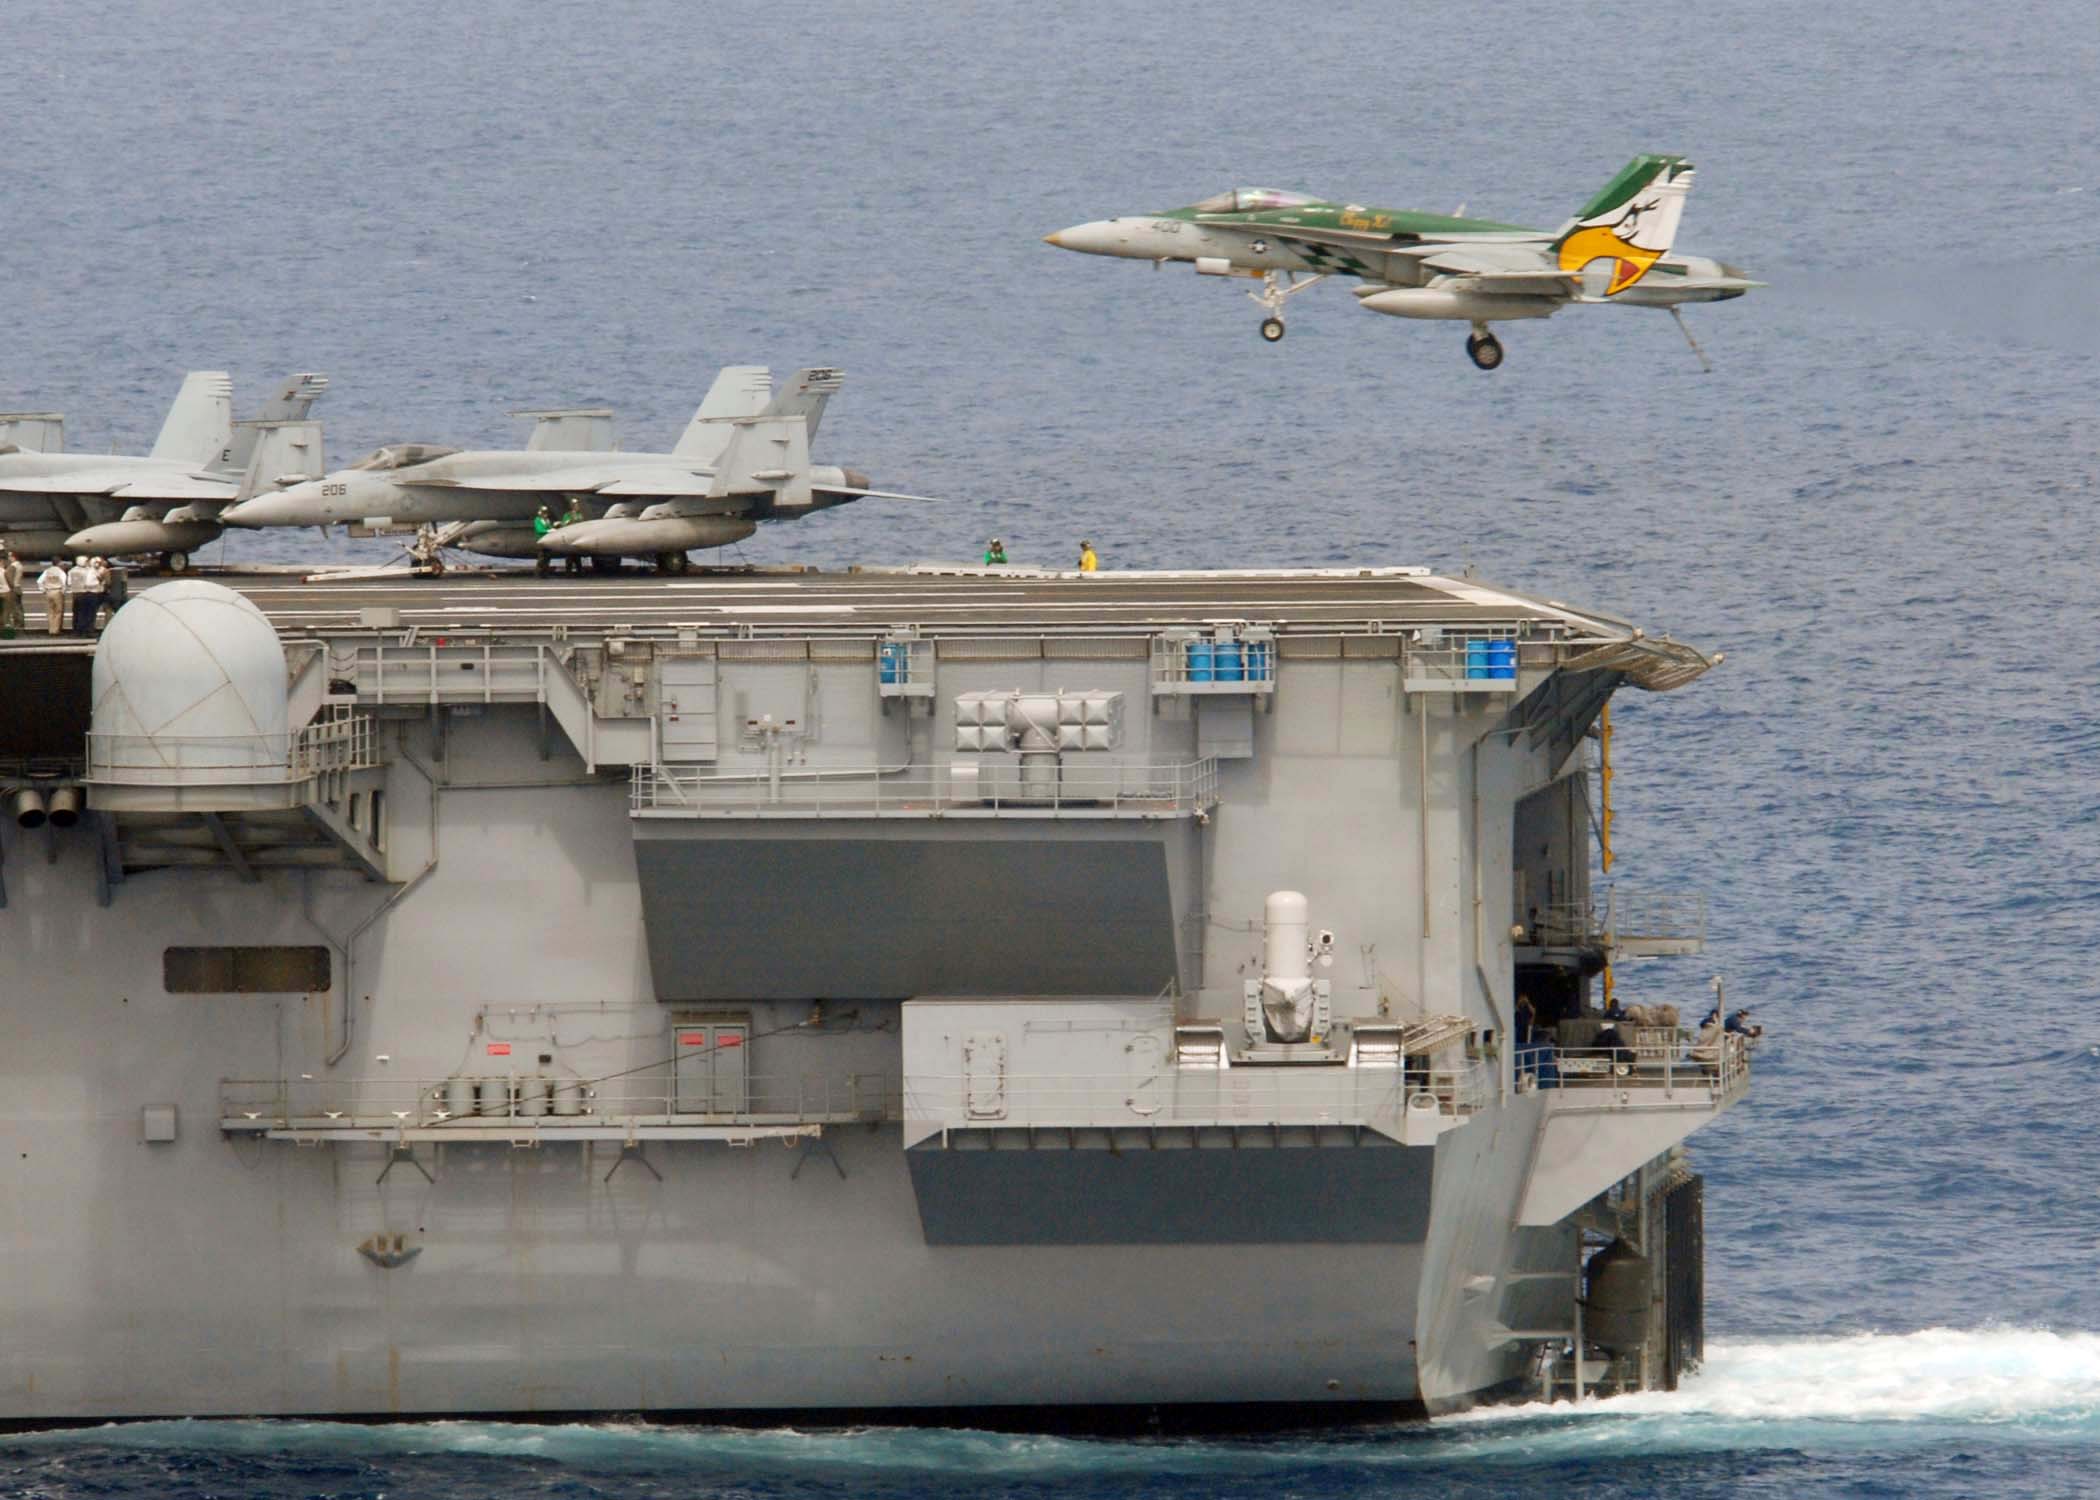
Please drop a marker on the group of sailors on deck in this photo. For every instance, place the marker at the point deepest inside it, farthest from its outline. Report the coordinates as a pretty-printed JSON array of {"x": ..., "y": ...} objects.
[{"x": 90, "y": 584}]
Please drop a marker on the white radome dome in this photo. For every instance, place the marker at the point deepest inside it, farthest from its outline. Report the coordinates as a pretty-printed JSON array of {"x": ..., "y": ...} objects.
[{"x": 190, "y": 673}]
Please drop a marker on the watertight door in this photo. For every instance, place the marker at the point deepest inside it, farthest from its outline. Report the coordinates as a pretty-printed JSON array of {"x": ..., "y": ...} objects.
[{"x": 686, "y": 695}]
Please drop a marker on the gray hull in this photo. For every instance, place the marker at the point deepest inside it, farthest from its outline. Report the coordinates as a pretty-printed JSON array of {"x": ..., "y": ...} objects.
[{"x": 859, "y": 1228}]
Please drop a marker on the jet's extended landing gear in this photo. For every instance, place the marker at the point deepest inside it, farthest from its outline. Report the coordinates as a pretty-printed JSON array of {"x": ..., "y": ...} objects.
[
  {"x": 1483, "y": 348},
  {"x": 605, "y": 564},
  {"x": 175, "y": 562},
  {"x": 1277, "y": 287},
  {"x": 673, "y": 564}
]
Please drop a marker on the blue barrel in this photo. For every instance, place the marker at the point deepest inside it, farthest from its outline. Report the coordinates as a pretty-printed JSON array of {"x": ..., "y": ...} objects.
[
  {"x": 1257, "y": 661},
  {"x": 1229, "y": 664},
  {"x": 1476, "y": 659},
  {"x": 891, "y": 665},
  {"x": 1502, "y": 660},
  {"x": 1200, "y": 658}
]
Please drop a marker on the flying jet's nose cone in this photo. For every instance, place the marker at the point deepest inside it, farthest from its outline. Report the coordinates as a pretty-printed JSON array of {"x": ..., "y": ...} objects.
[{"x": 1102, "y": 237}]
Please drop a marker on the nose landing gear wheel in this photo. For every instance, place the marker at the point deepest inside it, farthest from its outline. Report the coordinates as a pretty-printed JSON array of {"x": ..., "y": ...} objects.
[
  {"x": 176, "y": 562},
  {"x": 1272, "y": 329},
  {"x": 1484, "y": 349}
]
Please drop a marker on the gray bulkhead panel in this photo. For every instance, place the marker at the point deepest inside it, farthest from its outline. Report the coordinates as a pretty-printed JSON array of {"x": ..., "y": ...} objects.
[
  {"x": 1371, "y": 1193},
  {"x": 780, "y": 911}
]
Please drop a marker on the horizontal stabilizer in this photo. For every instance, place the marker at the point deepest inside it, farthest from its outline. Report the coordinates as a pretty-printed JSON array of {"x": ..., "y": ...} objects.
[{"x": 851, "y": 494}]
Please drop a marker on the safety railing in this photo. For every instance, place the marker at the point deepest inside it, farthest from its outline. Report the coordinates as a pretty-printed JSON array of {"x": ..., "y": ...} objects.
[
  {"x": 1632, "y": 920},
  {"x": 1169, "y": 1096},
  {"x": 1081, "y": 786},
  {"x": 1477, "y": 661},
  {"x": 1658, "y": 1068},
  {"x": 555, "y": 1101},
  {"x": 337, "y": 744},
  {"x": 1222, "y": 663}
]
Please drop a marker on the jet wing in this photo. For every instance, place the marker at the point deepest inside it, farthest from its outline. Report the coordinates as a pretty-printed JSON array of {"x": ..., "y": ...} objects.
[
  {"x": 1516, "y": 283},
  {"x": 671, "y": 484},
  {"x": 573, "y": 481},
  {"x": 78, "y": 482},
  {"x": 1370, "y": 239},
  {"x": 176, "y": 491}
]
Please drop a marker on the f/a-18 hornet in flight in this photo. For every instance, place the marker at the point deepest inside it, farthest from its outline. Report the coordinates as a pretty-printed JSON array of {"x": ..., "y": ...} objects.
[
  {"x": 743, "y": 459},
  {"x": 168, "y": 501},
  {"x": 1443, "y": 266}
]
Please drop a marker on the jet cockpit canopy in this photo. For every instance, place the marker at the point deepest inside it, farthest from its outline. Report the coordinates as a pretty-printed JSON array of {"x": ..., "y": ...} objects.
[
  {"x": 1253, "y": 200},
  {"x": 403, "y": 455}
]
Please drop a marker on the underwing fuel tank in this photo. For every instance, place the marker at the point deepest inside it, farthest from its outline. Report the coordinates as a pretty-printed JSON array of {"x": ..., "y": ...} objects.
[
  {"x": 128, "y": 538},
  {"x": 639, "y": 538},
  {"x": 1457, "y": 306},
  {"x": 25, "y": 543},
  {"x": 496, "y": 539}
]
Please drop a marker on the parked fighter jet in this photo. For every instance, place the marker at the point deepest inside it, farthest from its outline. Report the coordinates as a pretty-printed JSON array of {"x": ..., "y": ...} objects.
[
  {"x": 743, "y": 459},
  {"x": 1416, "y": 265},
  {"x": 166, "y": 502}
]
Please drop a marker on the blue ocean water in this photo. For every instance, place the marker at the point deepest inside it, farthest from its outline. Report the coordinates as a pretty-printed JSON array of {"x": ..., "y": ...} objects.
[{"x": 1880, "y": 505}]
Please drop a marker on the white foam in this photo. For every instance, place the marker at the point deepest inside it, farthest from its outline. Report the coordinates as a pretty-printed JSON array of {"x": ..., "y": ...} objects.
[{"x": 2027, "y": 1379}]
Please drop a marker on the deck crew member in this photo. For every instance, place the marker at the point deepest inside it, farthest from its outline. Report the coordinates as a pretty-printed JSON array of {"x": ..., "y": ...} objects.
[
  {"x": 570, "y": 517},
  {"x": 10, "y": 590},
  {"x": 116, "y": 586},
  {"x": 541, "y": 525},
  {"x": 84, "y": 586},
  {"x": 51, "y": 583},
  {"x": 1088, "y": 562},
  {"x": 995, "y": 554}
]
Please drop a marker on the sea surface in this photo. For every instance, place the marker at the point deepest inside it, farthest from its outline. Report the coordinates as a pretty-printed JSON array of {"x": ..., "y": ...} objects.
[{"x": 1880, "y": 505}]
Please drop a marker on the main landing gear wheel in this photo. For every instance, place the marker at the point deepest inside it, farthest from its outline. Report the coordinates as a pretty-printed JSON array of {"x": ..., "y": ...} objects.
[
  {"x": 1484, "y": 349},
  {"x": 605, "y": 564},
  {"x": 1272, "y": 329},
  {"x": 673, "y": 564},
  {"x": 175, "y": 562}
]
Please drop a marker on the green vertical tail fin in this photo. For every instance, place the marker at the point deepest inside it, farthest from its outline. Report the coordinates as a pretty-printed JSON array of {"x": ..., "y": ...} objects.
[{"x": 1632, "y": 220}]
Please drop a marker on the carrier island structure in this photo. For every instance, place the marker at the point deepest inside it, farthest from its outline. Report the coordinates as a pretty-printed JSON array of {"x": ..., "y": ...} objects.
[{"x": 943, "y": 993}]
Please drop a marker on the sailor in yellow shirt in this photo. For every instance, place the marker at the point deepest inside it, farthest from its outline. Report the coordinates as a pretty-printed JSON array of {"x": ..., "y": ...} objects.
[{"x": 1088, "y": 562}]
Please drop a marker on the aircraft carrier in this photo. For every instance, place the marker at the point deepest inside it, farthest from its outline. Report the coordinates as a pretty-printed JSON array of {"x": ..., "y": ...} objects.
[{"x": 985, "y": 994}]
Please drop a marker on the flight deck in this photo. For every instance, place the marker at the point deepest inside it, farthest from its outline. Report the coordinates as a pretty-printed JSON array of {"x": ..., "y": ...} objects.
[{"x": 932, "y": 596}]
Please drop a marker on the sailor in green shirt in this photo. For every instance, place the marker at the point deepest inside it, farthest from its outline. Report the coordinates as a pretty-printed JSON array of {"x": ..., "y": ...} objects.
[
  {"x": 995, "y": 554},
  {"x": 541, "y": 525},
  {"x": 570, "y": 517}
]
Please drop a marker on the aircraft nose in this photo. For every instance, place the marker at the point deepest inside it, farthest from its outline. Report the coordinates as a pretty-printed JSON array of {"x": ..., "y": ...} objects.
[
  {"x": 1101, "y": 237},
  {"x": 260, "y": 510}
]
